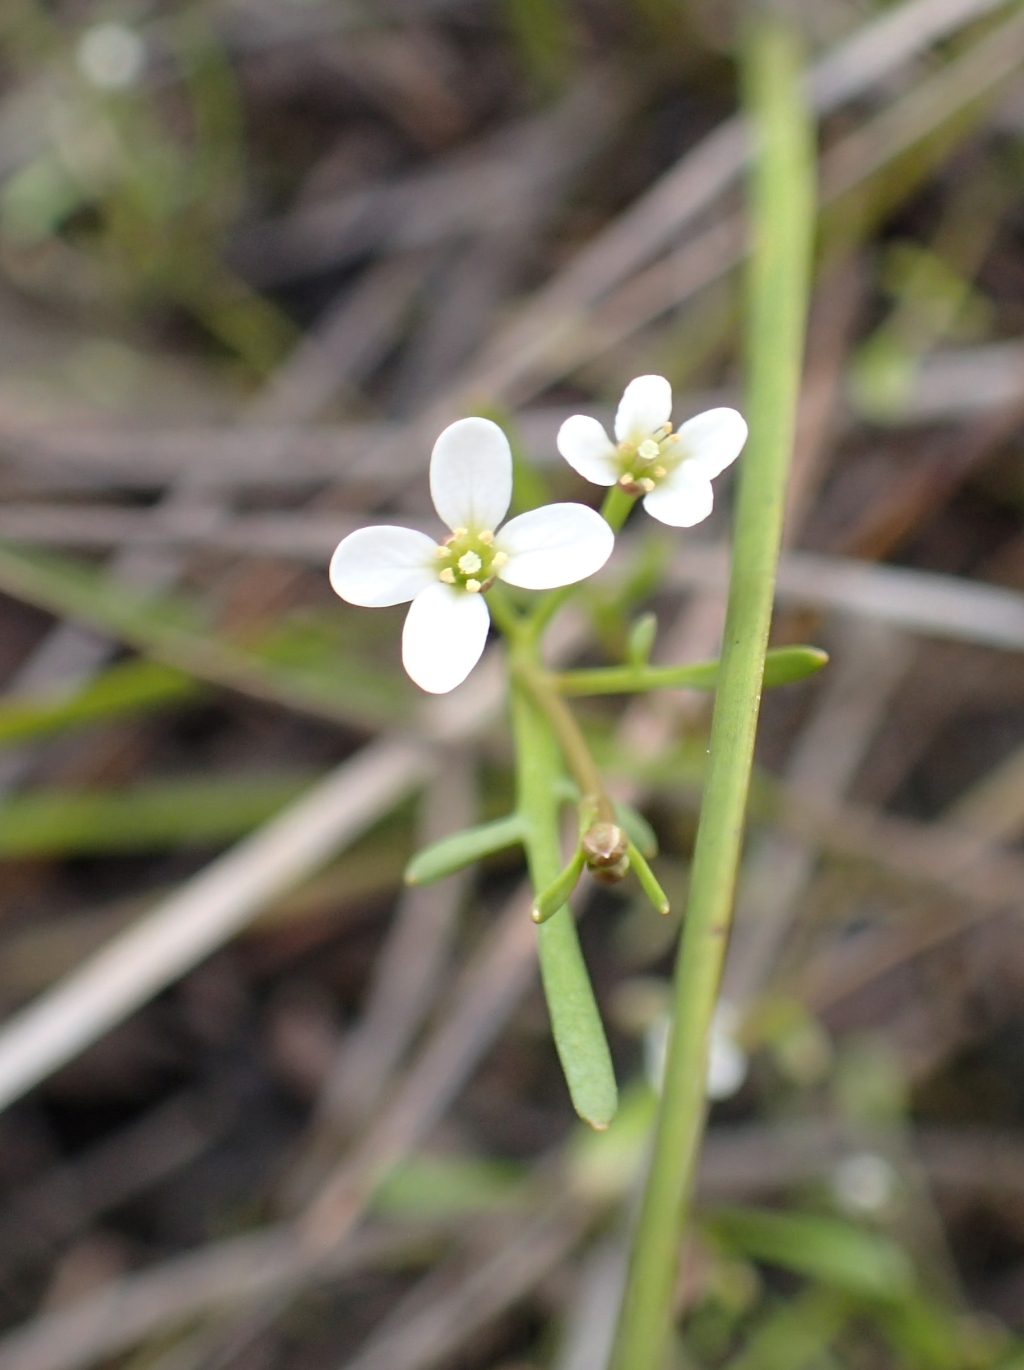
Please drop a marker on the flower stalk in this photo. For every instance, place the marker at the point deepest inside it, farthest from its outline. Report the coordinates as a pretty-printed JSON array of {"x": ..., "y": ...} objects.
[
  {"x": 575, "y": 1020},
  {"x": 782, "y": 216}
]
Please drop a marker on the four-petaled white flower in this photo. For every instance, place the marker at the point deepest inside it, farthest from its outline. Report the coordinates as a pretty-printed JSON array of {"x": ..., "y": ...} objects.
[
  {"x": 471, "y": 486},
  {"x": 673, "y": 471}
]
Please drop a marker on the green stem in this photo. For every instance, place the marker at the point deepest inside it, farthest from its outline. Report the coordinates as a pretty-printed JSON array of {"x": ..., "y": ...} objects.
[
  {"x": 574, "y": 747},
  {"x": 504, "y": 613},
  {"x": 575, "y": 1021},
  {"x": 782, "y": 214},
  {"x": 615, "y": 509}
]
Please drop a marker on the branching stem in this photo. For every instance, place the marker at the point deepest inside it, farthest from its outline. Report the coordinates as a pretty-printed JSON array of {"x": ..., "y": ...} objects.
[{"x": 543, "y": 690}]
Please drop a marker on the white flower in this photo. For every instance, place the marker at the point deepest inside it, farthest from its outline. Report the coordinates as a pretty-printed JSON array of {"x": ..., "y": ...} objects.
[
  {"x": 471, "y": 486},
  {"x": 673, "y": 471},
  {"x": 728, "y": 1063},
  {"x": 864, "y": 1183},
  {"x": 111, "y": 56}
]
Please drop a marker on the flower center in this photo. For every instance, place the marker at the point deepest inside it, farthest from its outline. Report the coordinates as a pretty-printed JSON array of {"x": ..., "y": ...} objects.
[
  {"x": 469, "y": 560},
  {"x": 643, "y": 465}
]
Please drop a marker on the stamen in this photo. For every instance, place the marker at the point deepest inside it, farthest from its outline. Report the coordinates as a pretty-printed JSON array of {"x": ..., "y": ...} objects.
[
  {"x": 473, "y": 586},
  {"x": 442, "y": 551},
  {"x": 499, "y": 559},
  {"x": 459, "y": 532},
  {"x": 659, "y": 471},
  {"x": 469, "y": 563},
  {"x": 448, "y": 576},
  {"x": 486, "y": 537},
  {"x": 646, "y": 483},
  {"x": 627, "y": 478}
]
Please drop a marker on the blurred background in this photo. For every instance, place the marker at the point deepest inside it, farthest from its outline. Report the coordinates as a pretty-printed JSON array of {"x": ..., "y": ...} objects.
[{"x": 253, "y": 256}]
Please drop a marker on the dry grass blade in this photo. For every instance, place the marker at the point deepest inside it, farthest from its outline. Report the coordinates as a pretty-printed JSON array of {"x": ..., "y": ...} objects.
[
  {"x": 451, "y": 1317},
  {"x": 209, "y": 910},
  {"x": 918, "y": 601},
  {"x": 408, "y": 968},
  {"x": 220, "y": 1275},
  {"x": 872, "y": 662},
  {"x": 488, "y": 989},
  {"x": 283, "y": 1259}
]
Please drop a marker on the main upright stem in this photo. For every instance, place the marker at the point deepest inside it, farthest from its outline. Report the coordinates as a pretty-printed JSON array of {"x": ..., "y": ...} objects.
[{"x": 782, "y": 217}]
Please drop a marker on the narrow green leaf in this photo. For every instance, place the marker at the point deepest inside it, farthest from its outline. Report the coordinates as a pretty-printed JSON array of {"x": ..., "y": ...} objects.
[
  {"x": 460, "y": 849},
  {"x": 648, "y": 880},
  {"x": 604, "y": 1165},
  {"x": 826, "y": 1249},
  {"x": 782, "y": 666},
  {"x": 575, "y": 1020},
  {"x": 785, "y": 665},
  {"x": 558, "y": 892}
]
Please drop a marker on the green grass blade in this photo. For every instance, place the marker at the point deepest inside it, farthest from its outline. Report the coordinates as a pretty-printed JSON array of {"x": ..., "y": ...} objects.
[
  {"x": 127, "y": 688},
  {"x": 782, "y": 215},
  {"x": 868, "y": 1265},
  {"x": 146, "y": 817},
  {"x": 338, "y": 690}
]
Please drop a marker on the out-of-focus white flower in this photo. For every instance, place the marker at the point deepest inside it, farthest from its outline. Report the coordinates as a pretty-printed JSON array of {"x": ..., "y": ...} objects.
[
  {"x": 111, "y": 55},
  {"x": 673, "y": 471},
  {"x": 471, "y": 486},
  {"x": 863, "y": 1183},
  {"x": 727, "y": 1061}
]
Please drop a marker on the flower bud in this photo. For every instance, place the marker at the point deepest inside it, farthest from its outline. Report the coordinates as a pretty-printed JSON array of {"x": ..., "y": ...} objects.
[
  {"x": 605, "y": 847},
  {"x": 611, "y": 875}
]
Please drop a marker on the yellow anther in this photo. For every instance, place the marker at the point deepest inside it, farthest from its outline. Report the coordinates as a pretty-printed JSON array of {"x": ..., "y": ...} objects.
[
  {"x": 442, "y": 551},
  {"x": 499, "y": 559},
  {"x": 659, "y": 471},
  {"x": 472, "y": 586},
  {"x": 486, "y": 537},
  {"x": 448, "y": 576},
  {"x": 627, "y": 478},
  {"x": 459, "y": 532},
  {"x": 646, "y": 483}
]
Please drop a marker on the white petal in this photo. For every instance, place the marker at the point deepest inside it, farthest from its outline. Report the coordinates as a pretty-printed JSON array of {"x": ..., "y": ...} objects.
[
  {"x": 713, "y": 439},
  {"x": 588, "y": 449},
  {"x": 683, "y": 498},
  {"x": 645, "y": 406},
  {"x": 558, "y": 544},
  {"x": 471, "y": 475},
  {"x": 444, "y": 635},
  {"x": 385, "y": 565}
]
